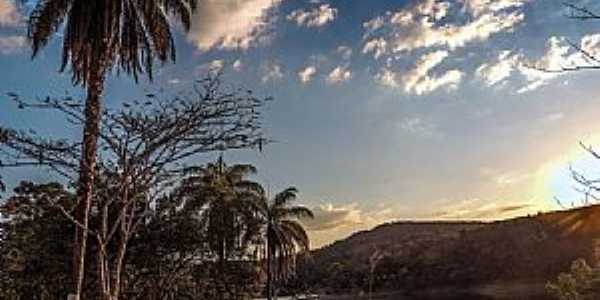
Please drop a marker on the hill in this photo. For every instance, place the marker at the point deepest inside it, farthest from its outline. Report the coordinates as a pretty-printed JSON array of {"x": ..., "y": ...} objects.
[{"x": 434, "y": 255}]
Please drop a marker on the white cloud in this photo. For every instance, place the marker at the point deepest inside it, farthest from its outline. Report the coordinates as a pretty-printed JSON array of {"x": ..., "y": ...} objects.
[
  {"x": 450, "y": 79},
  {"x": 555, "y": 55},
  {"x": 559, "y": 55},
  {"x": 493, "y": 73},
  {"x": 378, "y": 46},
  {"x": 427, "y": 24},
  {"x": 419, "y": 81},
  {"x": 373, "y": 25},
  {"x": 237, "y": 65},
  {"x": 439, "y": 27},
  {"x": 512, "y": 178},
  {"x": 328, "y": 217},
  {"x": 480, "y": 209},
  {"x": 307, "y": 74},
  {"x": 333, "y": 221},
  {"x": 271, "y": 72},
  {"x": 12, "y": 44},
  {"x": 9, "y": 15},
  {"x": 479, "y": 7},
  {"x": 338, "y": 75},
  {"x": 388, "y": 78},
  {"x": 315, "y": 17},
  {"x": 417, "y": 126},
  {"x": 344, "y": 51},
  {"x": 230, "y": 24}
]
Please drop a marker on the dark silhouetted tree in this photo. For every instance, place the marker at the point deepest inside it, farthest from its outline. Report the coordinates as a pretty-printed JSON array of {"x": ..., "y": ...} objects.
[
  {"x": 144, "y": 148},
  {"x": 284, "y": 235},
  {"x": 99, "y": 36}
]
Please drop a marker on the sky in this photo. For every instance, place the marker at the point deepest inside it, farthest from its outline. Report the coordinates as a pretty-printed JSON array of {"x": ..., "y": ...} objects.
[{"x": 384, "y": 110}]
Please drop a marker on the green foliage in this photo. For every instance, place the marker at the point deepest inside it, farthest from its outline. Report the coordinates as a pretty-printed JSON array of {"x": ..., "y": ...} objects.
[
  {"x": 34, "y": 249},
  {"x": 223, "y": 197},
  {"x": 574, "y": 285},
  {"x": 201, "y": 241}
]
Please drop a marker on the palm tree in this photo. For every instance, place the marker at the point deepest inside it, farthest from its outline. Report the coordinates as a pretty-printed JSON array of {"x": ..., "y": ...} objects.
[
  {"x": 99, "y": 36},
  {"x": 225, "y": 200},
  {"x": 284, "y": 234}
]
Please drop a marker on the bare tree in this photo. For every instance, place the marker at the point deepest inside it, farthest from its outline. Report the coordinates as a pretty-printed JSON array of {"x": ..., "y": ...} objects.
[
  {"x": 587, "y": 186},
  {"x": 99, "y": 36},
  {"x": 143, "y": 150}
]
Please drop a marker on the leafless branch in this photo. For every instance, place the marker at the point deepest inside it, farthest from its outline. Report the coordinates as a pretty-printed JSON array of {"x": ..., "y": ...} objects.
[{"x": 580, "y": 12}]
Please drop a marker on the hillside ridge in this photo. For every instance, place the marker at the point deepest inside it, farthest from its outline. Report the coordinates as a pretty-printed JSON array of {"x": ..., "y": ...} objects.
[{"x": 431, "y": 254}]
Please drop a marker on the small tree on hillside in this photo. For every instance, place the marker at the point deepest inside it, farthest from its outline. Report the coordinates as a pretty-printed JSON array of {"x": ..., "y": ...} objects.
[{"x": 574, "y": 285}]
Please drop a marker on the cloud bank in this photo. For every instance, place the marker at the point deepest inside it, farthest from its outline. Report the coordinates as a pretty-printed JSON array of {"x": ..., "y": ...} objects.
[
  {"x": 306, "y": 75},
  {"x": 339, "y": 75},
  {"x": 437, "y": 28},
  {"x": 9, "y": 15},
  {"x": 315, "y": 17},
  {"x": 420, "y": 79},
  {"x": 231, "y": 24}
]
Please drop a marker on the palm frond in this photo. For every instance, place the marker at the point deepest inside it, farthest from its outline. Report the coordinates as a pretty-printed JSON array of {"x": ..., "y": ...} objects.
[
  {"x": 45, "y": 20},
  {"x": 251, "y": 187},
  {"x": 285, "y": 197},
  {"x": 296, "y": 212},
  {"x": 182, "y": 9},
  {"x": 298, "y": 234},
  {"x": 99, "y": 35},
  {"x": 242, "y": 170}
]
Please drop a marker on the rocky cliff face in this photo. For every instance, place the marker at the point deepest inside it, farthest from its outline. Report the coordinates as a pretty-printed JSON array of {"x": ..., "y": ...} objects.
[{"x": 417, "y": 255}]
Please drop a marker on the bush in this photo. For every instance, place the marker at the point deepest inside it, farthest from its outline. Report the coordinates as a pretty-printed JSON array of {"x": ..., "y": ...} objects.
[{"x": 574, "y": 285}]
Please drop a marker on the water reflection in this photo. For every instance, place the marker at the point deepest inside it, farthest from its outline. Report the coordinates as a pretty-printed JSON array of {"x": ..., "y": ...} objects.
[{"x": 439, "y": 296}]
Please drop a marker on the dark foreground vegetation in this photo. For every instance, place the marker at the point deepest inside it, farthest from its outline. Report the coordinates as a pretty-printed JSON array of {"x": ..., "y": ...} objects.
[
  {"x": 205, "y": 240},
  {"x": 159, "y": 226},
  {"x": 148, "y": 224}
]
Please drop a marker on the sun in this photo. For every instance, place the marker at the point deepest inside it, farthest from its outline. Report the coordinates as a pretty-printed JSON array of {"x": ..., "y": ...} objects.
[{"x": 555, "y": 184}]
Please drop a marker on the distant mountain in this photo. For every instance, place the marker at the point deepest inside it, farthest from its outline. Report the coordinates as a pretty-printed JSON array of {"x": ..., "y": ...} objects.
[{"x": 428, "y": 255}]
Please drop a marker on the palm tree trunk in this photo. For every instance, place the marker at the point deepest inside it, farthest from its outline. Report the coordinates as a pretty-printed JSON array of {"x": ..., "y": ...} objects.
[
  {"x": 87, "y": 167},
  {"x": 269, "y": 271}
]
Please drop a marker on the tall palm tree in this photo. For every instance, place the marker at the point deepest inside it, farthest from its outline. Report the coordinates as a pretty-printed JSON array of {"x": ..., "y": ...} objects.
[
  {"x": 284, "y": 234},
  {"x": 99, "y": 36},
  {"x": 225, "y": 198}
]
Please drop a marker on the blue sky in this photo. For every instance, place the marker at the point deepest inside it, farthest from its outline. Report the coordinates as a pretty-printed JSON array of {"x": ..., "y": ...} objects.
[{"x": 383, "y": 110}]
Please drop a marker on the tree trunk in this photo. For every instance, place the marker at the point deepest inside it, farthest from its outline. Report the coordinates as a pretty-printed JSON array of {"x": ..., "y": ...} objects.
[
  {"x": 118, "y": 268},
  {"x": 103, "y": 283},
  {"x": 269, "y": 272},
  {"x": 87, "y": 167}
]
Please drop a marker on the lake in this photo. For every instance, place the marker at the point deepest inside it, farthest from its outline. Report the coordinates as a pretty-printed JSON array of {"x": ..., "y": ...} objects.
[{"x": 495, "y": 291}]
